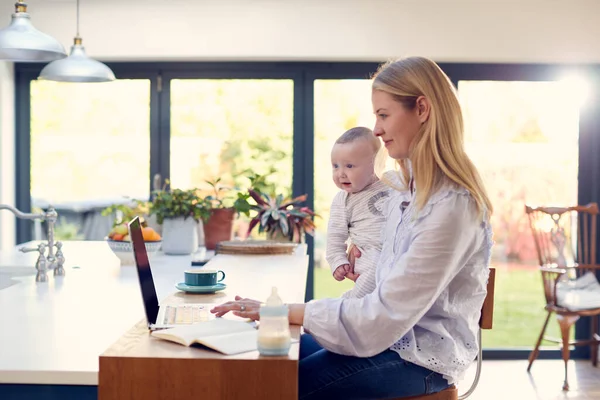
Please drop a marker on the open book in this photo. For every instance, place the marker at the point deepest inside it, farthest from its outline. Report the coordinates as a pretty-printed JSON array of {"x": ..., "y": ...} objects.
[{"x": 223, "y": 335}]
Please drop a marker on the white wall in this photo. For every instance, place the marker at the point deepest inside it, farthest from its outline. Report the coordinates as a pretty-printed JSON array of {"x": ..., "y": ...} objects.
[
  {"x": 445, "y": 30},
  {"x": 7, "y": 154}
]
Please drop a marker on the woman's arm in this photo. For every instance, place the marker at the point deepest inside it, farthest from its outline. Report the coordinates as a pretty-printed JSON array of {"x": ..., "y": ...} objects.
[
  {"x": 442, "y": 244},
  {"x": 296, "y": 313},
  {"x": 248, "y": 308}
]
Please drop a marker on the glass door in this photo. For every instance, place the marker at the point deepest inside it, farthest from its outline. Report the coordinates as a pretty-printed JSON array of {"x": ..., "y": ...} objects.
[
  {"x": 524, "y": 139},
  {"x": 340, "y": 104},
  {"x": 230, "y": 129},
  {"x": 90, "y": 148}
]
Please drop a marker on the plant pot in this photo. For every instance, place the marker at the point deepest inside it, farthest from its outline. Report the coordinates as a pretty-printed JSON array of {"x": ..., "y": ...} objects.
[
  {"x": 200, "y": 233},
  {"x": 277, "y": 236},
  {"x": 219, "y": 227},
  {"x": 180, "y": 236}
]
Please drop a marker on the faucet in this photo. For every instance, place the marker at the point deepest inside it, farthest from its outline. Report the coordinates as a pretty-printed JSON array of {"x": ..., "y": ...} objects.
[{"x": 51, "y": 260}]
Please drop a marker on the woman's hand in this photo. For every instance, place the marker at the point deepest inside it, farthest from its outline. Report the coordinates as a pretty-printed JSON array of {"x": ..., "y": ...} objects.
[
  {"x": 245, "y": 308},
  {"x": 248, "y": 308},
  {"x": 353, "y": 254}
]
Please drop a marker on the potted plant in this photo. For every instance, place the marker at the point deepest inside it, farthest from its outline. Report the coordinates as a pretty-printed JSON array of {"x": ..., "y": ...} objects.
[
  {"x": 177, "y": 210},
  {"x": 280, "y": 218},
  {"x": 218, "y": 210}
]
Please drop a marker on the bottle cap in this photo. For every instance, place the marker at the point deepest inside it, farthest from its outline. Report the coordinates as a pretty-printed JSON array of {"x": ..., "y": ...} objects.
[
  {"x": 274, "y": 306},
  {"x": 274, "y": 300}
]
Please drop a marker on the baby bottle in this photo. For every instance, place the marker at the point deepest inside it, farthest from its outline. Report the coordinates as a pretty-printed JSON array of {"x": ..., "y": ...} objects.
[{"x": 274, "y": 330}]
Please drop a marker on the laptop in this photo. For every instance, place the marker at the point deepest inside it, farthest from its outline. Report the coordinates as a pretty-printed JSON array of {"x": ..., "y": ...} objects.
[{"x": 166, "y": 315}]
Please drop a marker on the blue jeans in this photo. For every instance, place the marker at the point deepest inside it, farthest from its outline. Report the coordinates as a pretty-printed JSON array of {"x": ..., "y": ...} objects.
[{"x": 326, "y": 375}]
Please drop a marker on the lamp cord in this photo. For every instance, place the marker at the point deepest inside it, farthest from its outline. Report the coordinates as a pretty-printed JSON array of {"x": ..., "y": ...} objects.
[{"x": 77, "y": 18}]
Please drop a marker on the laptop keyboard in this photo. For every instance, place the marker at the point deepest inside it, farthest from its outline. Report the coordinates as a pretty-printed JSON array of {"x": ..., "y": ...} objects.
[{"x": 185, "y": 314}]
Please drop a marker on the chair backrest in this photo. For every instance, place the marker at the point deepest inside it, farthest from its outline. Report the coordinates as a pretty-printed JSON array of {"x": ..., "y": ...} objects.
[
  {"x": 563, "y": 237},
  {"x": 485, "y": 322},
  {"x": 487, "y": 311}
]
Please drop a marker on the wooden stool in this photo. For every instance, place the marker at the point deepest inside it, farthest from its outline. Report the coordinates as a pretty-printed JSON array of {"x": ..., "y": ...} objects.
[{"x": 447, "y": 394}]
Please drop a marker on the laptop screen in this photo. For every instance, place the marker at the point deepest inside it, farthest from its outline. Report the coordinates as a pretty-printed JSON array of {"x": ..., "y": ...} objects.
[{"x": 144, "y": 273}]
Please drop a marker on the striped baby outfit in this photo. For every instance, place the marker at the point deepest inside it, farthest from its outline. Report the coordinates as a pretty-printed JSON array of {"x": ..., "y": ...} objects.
[{"x": 357, "y": 218}]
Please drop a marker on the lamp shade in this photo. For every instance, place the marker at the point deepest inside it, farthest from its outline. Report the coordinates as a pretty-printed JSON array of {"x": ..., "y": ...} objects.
[
  {"x": 77, "y": 67},
  {"x": 21, "y": 42}
]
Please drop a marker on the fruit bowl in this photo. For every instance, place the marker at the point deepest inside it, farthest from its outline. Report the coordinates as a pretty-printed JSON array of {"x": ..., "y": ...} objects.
[
  {"x": 124, "y": 250},
  {"x": 120, "y": 243}
]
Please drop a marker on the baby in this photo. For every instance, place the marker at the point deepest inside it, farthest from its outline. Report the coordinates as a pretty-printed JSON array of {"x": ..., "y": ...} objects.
[{"x": 357, "y": 210}]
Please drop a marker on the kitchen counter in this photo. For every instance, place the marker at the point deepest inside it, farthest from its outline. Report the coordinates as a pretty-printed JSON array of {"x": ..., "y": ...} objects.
[{"x": 54, "y": 332}]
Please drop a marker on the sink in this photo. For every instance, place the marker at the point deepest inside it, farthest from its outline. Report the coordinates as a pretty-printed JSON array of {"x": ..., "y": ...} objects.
[
  {"x": 7, "y": 273},
  {"x": 13, "y": 272},
  {"x": 15, "y": 264},
  {"x": 6, "y": 282}
]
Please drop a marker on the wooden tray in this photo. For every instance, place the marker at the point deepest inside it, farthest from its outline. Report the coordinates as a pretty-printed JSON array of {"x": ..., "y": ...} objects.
[{"x": 257, "y": 247}]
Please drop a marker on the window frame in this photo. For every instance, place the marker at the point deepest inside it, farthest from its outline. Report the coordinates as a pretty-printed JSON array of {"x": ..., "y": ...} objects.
[{"x": 303, "y": 75}]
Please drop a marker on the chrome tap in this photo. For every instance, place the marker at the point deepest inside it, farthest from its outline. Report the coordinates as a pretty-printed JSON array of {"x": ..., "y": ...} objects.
[{"x": 45, "y": 261}]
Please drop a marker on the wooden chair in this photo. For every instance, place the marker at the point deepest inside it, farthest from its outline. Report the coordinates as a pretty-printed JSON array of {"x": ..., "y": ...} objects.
[
  {"x": 555, "y": 231},
  {"x": 485, "y": 322}
]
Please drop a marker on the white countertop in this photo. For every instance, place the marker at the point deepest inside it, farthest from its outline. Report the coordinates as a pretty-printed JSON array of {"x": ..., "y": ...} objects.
[{"x": 54, "y": 332}]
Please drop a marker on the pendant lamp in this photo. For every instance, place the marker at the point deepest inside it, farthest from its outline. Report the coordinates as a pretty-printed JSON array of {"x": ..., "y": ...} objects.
[
  {"x": 77, "y": 67},
  {"x": 21, "y": 42}
]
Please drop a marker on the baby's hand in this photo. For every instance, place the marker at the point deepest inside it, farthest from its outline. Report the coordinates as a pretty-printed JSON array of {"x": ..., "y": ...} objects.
[{"x": 340, "y": 272}]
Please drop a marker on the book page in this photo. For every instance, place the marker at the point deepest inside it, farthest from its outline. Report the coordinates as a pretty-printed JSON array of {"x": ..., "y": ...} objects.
[
  {"x": 187, "y": 334},
  {"x": 233, "y": 343}
]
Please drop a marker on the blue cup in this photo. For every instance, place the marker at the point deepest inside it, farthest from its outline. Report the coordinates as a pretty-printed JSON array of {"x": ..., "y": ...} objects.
[{"x": 203, "y": 277}]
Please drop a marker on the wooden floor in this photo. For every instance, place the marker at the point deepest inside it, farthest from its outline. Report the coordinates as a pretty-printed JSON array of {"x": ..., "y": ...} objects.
[{"x": 510, "y": 380}]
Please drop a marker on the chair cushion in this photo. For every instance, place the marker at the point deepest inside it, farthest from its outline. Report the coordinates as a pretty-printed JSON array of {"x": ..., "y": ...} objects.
[{"x": 582, "y": 293}]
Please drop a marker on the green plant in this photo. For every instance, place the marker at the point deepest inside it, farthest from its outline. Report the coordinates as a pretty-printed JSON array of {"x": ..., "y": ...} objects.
[
  {"x": 126, "y": 212},
  {"x": 175, "y": 203},
  {"x": 261, "y": 183},
  {"x": 218, "y": 198},
  {"x": 277, "y": 215}
]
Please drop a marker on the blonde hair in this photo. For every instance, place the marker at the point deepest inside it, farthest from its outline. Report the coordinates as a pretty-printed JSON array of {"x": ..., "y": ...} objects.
[{"x": 438, "y": 148}]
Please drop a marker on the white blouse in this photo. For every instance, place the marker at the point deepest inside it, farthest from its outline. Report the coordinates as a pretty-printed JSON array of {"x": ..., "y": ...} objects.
[{"x": 431, "y": 283}]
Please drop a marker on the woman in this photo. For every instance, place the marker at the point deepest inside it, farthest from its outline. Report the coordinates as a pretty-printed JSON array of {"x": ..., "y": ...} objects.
[{"x": 416, "y": 333}]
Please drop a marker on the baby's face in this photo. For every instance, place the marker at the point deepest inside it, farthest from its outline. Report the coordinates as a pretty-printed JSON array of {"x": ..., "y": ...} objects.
[{"x": 353, "y": 165}]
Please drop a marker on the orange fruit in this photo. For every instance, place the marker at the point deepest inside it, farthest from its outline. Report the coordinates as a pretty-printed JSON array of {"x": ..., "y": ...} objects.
[
  {"x": 156, "y": 236},
  {"x": 150, "y": 234}
]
